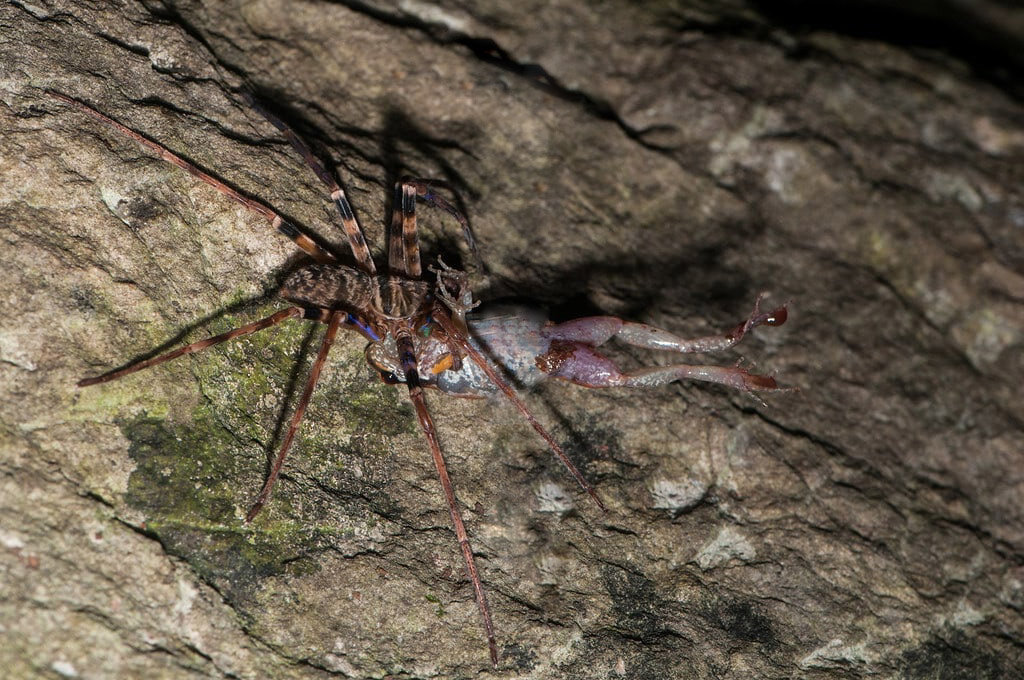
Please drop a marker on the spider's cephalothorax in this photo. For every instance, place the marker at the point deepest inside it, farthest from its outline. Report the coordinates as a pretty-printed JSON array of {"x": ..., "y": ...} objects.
[
  {"x": 380, "y": 300},
  {"x": 420, "y": 335}
]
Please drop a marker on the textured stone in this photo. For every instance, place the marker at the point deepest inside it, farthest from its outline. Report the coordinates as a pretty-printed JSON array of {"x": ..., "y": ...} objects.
[{"x": 665, "y": 163}]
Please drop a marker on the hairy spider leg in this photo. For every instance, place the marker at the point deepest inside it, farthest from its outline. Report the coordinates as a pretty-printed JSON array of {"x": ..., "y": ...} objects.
[
  {"x": 412, "y": 380},
  {"x": 296, "y": 235},
  {"x": 420, "y": 188},
  {"x": 596, "y": 330},
  {"x": 333, "y": 324},
  {"x": 403, "y": 245},
  {"x": 356, "y": 240},
  {"x": 276, "y": 318},
  {"x": 442, "y": 317},
  {"x": 396, "y": 254},
  {"x": 425, "y": 191}
]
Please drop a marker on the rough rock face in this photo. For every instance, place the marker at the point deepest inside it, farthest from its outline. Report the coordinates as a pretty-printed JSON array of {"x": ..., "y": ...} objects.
[{"x": 664, "y": 163}]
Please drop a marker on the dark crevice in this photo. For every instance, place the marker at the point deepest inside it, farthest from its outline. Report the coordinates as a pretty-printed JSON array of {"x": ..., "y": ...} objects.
[
  {"x": 947, "y": 27},
  {"x": 140, "y": 50},
  {"x": 140, "y": 529},
  {"x": 93, "y": 496}
]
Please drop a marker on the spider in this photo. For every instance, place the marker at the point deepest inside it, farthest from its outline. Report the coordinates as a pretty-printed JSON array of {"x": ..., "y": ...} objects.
[{"x": 421, "y": 334}]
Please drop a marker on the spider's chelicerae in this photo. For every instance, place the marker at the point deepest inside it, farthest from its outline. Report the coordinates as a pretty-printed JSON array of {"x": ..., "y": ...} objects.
[{"x": 421, "y": 334}]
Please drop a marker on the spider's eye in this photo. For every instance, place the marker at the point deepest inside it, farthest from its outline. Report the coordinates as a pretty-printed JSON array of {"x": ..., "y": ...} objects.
[{"x": 389, "y": 378}]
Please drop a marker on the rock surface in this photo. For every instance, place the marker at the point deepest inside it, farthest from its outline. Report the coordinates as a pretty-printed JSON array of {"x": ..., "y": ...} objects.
[{"x": 664, "y": 163}]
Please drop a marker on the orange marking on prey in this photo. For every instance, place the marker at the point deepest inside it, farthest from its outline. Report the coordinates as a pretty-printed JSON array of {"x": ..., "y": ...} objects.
[{"x": 443, "y": 364}]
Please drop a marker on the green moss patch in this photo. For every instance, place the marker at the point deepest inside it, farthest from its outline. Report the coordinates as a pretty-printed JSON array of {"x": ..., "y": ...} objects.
[
  {"x": 195, "y": 477},
  {"x": 190, "y": 483}
]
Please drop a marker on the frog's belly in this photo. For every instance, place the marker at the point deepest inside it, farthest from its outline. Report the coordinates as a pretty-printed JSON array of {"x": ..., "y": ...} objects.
[{"x": 509, "y": 335}]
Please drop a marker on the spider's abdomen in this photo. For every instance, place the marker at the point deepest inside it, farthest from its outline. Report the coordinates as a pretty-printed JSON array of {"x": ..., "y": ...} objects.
[{"x": 330, "y": 286}]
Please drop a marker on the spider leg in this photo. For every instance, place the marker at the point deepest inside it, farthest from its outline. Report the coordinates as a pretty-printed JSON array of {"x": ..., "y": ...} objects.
[
  {"x": 302, "y": 240},
  {"x": 425, "y": 192},
  {"x": 412, "y": 380},
  {"x": 335, "y": 322},
  {"x": 356, "y": 241},
  {"x": 442, "y": 317},
  {"x": 284, "y": 314},
  {"x": 403, "y": 246},
  {"x": 596, "y": 330}
]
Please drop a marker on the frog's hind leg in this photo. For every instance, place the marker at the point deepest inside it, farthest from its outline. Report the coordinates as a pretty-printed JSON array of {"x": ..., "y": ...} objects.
[
  {"x": 596, "y": 330},
  {"x": 582, "y": 364}
]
